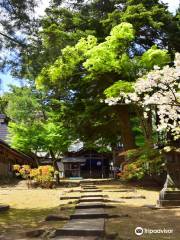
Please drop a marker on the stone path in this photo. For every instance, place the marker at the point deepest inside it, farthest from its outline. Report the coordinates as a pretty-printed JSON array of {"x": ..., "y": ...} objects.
[
  {"x": 89, "y": 213},
  {"x": 88, "y": 221},
  {"x": 83, "y": 227},
  {"x": 85, "y": 205},
  {"x": 90, "y": 190}
]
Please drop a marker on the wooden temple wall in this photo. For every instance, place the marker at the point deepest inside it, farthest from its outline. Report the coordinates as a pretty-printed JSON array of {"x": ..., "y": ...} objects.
[{"x": 4, "y": 169}]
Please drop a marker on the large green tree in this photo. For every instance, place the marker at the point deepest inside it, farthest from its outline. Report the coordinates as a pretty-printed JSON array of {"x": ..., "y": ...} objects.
[
  {"x": 83, "y": 72},
  {"x": 65, "y": 22},
  {"x": 77, "y": 76}
]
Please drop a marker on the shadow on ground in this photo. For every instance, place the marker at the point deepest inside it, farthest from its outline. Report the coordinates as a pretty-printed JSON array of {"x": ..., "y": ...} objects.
[
  {"x": 15, "y": 222},
  {"x": 145, "y": 218}
]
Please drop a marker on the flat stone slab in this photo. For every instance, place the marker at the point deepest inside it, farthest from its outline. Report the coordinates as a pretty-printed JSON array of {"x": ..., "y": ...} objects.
[
  {"x": 4, "y": 208},
  {"x": 91, "y": 190},
  {"x": 92, "y": 185},
  {"x": 89, "y": 213},
  {"x": 122, "y": 190},
  {"x": 93, "y": 195},
  {"x": 91, "y": 199},
  {"x": 88, "y": 185},
  {"x": 76, "y": 238},
  {"x": 83, "y": 227},
  {"x": 134, "y": 197},
  {"x": 90, "y": 205}
]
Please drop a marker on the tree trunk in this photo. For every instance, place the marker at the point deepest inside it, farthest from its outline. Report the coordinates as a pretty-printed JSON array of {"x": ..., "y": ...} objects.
[
  {"x": 126, "y": 128},
  {"x": 55, "y": 166},
  {"x": 146, "y": 126}
]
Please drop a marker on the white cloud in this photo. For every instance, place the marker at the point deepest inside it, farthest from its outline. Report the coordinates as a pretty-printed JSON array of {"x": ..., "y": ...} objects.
[
  {"x": 43, "y": 4},
  {"x": 173, "y": 4}
]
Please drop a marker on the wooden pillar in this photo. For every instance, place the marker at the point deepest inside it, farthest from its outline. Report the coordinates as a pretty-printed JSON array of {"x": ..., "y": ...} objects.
[
  {"x": 90, "y": 165},
  {"x": 102, "y": 165}
]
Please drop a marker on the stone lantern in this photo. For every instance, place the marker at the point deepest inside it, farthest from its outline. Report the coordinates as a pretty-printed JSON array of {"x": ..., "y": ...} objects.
[{"x": 170, "y": 194}]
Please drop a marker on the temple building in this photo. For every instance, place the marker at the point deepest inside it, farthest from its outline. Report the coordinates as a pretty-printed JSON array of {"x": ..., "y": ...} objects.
[{"x": 8, "y": 155}]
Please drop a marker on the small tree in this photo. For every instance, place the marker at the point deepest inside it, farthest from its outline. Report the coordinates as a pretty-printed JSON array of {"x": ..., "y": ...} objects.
[{"x": 34, "y": 125}]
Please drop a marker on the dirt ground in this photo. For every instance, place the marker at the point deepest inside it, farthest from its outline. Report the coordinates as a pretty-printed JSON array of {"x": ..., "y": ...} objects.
[
  {"x": 20, "y": 197},
  {"x": 135, "y": 214},
  {"x": 30, "y": 206}
]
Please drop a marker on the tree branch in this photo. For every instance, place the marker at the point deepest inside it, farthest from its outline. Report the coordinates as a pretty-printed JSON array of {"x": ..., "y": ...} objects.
[{"x": 12, "y": 39}]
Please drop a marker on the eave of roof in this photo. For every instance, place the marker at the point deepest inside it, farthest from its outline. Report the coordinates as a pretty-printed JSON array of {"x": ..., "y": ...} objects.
[
  {"x": 14, "y": 151},
  {"x": 73, "y": 160}
]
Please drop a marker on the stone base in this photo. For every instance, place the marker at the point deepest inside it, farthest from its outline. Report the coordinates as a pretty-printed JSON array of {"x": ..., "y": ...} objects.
[
  {"x": 168, "y": 203},
  {"x": 172, "y": 195},
  {"x": 169, "y": 198}
]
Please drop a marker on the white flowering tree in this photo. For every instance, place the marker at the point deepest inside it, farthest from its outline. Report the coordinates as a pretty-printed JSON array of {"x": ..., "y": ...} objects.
[{"x": 158, "y": 92}]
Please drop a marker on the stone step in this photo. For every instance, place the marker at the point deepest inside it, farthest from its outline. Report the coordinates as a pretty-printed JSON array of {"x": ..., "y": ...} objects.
[
  {"x": 133, "y": 197},
  {"x": 122, "y": 190},
  {"x": 89, "y": 187},
  {"x": 82, "y": 227},
  {"x": 91, "y": 190},
  {"x": 89, "y": 213},
  {"x": 93, "y": 195},
  {"x": 4, "y": 208},
  {"x": 76, "y": 238},
  {"x": 85, "y": 205},
  {"x": 91, "y": 199}
]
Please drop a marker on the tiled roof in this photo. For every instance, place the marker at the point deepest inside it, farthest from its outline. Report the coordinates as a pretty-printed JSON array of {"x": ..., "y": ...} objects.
[
  {"x": 3, "y": 132},
  {"x": 73, "y": 160},
  {"x": 17, "y": 155}
]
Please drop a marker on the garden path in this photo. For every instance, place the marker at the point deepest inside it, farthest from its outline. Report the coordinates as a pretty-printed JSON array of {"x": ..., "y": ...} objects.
[{"x": 88, "y": 221}]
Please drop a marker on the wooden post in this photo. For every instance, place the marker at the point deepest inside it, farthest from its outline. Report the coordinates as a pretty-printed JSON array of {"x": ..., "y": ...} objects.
[
  {"x": 102, "y": 165},
  {"x": 90, "y": 165}
]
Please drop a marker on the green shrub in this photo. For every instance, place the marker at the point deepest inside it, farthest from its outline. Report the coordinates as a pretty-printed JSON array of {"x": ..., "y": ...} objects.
[{"x": 142, "y": 162}]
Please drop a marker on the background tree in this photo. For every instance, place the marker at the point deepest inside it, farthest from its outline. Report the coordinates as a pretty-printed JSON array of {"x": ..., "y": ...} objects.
[
  {"x": 152, "y": 22},
  {"x": 33, "y": 126},
  {"x": 17, "y": 22},
  {"x": 66, "y": 22}
]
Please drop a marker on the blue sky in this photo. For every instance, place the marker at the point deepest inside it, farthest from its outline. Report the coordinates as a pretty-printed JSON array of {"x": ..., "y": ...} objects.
[{"x": 6, "y": 79}]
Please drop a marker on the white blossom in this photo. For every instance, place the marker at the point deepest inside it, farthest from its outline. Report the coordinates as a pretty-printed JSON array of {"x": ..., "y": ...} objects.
[{"x": 160, "y": 88}]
